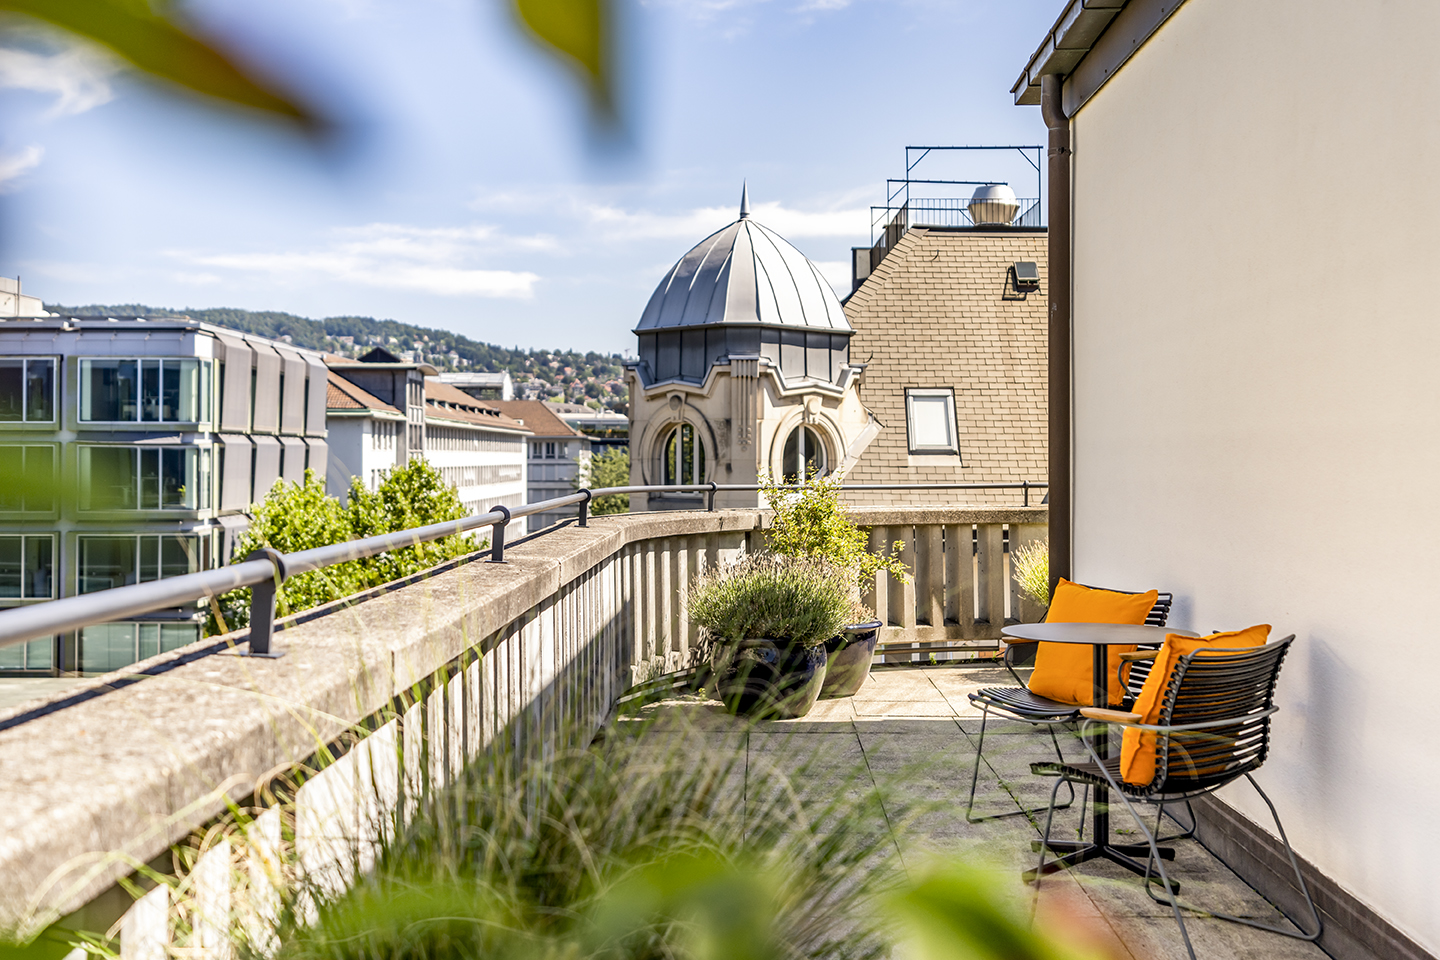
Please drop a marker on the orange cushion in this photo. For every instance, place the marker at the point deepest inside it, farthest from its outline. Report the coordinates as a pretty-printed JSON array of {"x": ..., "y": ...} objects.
[
  {"x": 1063, "y": 670},
  {"x": 1137, "y": 751}
]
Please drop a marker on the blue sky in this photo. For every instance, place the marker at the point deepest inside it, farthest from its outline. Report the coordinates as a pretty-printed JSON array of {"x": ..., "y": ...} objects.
[{"x": 468, "y": 190}]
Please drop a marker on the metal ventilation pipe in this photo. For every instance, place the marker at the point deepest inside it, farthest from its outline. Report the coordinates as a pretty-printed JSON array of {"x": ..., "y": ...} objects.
[{"x": 1053, "y": 110}]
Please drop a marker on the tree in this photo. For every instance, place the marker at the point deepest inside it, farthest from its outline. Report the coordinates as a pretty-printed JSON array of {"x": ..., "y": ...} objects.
[
  {"x": 302, "y": 516},
  {"x": 609, "y": 469}
]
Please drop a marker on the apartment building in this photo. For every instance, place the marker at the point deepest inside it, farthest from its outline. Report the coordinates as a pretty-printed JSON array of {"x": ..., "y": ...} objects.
[
  {"x": 383, "y": 411},
  {"x": 558, "y": 455},
  {"x": 130, "y": 449}
]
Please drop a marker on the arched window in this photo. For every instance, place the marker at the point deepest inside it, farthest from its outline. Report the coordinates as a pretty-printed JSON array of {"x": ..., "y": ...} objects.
[
  {"x": 683, "y": 456},
  {"x": 804, "y": 457}
]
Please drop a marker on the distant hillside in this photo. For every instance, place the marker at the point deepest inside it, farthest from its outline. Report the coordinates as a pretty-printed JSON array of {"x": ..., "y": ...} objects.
[{"x": 553, "y": 374}]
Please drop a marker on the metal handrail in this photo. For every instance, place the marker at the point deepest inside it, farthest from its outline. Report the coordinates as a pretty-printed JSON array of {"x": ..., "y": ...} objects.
[{"x": 264, "y": 570}]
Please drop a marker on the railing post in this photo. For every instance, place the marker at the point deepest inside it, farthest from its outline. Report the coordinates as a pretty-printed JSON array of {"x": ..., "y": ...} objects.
[
  {"x": 497, "y": 538},
  {"x": 1026, "y": 485},
  {"x": 262, "y": 604},
  {"x": 711, "y": 505},
  {"x": 585, "y": 509}
]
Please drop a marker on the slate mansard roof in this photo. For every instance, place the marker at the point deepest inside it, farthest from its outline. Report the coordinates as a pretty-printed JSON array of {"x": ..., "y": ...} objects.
[{"x": 745, "y": 274}]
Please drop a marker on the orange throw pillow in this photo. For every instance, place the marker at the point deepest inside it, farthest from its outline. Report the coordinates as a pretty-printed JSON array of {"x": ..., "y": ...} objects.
[
  {"x": 1063, "y": 670},
  {"x": 1137, "y": 750}
]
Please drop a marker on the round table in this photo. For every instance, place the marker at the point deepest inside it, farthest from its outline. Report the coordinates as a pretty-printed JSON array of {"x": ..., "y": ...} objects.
[{"x": 1098, "y": 636}]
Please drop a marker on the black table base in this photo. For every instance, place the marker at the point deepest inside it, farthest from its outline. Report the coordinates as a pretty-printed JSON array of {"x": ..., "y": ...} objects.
[{"x": 1070, "y": 853}]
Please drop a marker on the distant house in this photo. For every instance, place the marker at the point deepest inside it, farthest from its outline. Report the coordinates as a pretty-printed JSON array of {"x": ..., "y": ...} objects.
[
  {"x": 481, "y": 386},
  {"x": 953, "y": 334},
  {"x": 605, "y": 428},
  {"x": 559, "y": 456},
  {"x": 383, "y": 412}
]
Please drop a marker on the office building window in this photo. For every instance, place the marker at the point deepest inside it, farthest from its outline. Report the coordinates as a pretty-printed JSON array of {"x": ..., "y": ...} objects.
[
  {"x": 27, "y": 478},
  {"x": 144, "y": 478},
  {"x": 110, "y": 646},
  {"x": 118, "y": 561},
  {"x": 35, "y": 655},
  {"x": 930, "y": 420},
  {"x": 145, "y": 391},
  {"x": 27, "y": 389},
  {"x": 27, "y": 567}
]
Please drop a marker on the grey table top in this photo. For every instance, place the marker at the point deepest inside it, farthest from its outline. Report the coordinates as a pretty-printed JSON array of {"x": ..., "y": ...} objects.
[{"x": 1095, "y": 634}]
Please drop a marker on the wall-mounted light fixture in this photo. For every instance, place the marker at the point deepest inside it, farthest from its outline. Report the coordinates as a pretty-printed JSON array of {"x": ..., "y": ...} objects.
[{"x": 1026, "y": 275}]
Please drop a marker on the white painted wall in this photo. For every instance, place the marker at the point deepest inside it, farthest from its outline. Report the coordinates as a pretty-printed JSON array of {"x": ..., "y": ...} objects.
[
  {"x": 1257, "y": 401},
  {"x": 357, "y": 450}
]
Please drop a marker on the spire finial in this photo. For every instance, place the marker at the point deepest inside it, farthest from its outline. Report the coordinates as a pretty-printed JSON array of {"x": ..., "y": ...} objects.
[{"x": 744, "y": 200}]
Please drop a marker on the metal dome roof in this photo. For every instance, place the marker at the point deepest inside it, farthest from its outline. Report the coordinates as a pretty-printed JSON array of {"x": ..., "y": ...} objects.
[{"x": 744, "y": 274}]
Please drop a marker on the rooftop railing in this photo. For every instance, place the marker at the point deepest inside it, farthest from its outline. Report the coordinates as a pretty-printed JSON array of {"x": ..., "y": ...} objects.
[{"x": 266, "y": 569}]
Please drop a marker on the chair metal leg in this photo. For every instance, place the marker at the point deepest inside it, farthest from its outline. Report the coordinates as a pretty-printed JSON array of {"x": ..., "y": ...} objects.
[
  {"x": 1299, "y": 932},
  {"x": 975, "y": 778},
  {"x": 1157, "y": 862}
]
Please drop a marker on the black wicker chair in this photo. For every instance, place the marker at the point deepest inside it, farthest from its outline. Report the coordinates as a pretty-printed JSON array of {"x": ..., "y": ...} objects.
[
  {"x": 1018, "y": 703},
  {"x": 1214, "y": 728}
]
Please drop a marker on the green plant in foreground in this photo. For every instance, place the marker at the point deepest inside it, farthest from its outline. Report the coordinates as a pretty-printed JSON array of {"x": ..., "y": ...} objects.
[
  {"x": 1030, "y": 566},
  {"x": 658, "y": 844},
  {"x": 777, "y": 598},
  {"x": 811, "y": 523},
  {"x": 302, "y": 516}
]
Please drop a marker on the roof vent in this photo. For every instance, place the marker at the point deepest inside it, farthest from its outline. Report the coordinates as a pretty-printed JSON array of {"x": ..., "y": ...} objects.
[{"x": 993, "y": 204}]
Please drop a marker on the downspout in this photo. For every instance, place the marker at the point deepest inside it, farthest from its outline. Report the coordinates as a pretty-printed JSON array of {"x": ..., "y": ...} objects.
[{"x": 1053, "y": 110}]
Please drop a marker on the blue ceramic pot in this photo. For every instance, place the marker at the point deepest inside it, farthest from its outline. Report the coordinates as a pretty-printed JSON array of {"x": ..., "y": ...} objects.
[
  {"x": 768, "y": 679},
  {"x": 849, "y": 654}
]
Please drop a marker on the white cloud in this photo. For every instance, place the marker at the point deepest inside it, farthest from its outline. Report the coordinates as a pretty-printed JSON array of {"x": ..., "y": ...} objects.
[
  {"x": 837, "y": 272},
  {"x": 79, "y": 77},
  {"x": 435, "y": 260},
  {"x": 694, "y": 224},
  {"x": 13, "y": 165}
]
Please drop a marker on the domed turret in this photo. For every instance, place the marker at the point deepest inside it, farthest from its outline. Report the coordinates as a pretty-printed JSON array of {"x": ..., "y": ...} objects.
[{"x": 743, "y": 291}]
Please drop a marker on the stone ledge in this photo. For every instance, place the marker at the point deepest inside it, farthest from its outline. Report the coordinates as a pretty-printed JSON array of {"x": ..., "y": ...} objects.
[{"x": 92, "y": 783}]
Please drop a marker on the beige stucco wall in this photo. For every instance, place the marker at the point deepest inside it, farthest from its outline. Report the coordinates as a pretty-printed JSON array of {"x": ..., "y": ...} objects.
[
  {"x": 1257, "y": 403},
  {"x": 939, "y": 311}
]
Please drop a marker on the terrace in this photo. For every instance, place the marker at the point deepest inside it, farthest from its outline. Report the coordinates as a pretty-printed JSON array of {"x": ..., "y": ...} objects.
[{"x": 379, "y": 703}]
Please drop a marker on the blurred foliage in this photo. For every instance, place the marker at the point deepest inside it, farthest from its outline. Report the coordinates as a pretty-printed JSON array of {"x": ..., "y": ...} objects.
[
  {"x": 810, "y": 522},
  {"x": 958, "y": 911},
  {"x": 579, "y": 32},
  {"x": 301, "y": 516},
  {"x": 609, "y": 469},
  {"x": 154, "y": 38}
]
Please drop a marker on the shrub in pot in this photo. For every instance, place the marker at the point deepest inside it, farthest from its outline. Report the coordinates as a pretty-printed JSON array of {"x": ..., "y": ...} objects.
[
  {"x": 810, "y": 523},
  {"x": 768, "y": 618}
]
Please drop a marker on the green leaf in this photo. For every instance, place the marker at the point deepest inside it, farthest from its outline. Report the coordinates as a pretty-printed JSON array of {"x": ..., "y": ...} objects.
[
  {"x": 162, "y": 48},
  {"x": 577, "y": 31}
]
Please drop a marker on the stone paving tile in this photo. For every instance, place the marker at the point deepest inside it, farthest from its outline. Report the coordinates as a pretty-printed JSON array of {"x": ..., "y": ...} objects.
[
  {"x": 904, "y": 708},
  {"x": 905, "y": 741}
]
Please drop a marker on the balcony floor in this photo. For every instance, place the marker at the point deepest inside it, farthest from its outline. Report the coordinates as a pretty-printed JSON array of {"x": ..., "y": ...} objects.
[{"x": 914, "y": 726}]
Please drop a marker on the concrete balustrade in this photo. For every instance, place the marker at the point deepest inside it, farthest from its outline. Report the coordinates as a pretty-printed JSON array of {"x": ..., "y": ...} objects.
[{"x": 381, "y": 702}]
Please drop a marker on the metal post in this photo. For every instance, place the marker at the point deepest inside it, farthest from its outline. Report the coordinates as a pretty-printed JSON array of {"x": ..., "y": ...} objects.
[
  {"x": 711, "y": 505},
  {"x": 585, "y": 508},
  {"x": 497, "y": 538},
  {"x": 1026, "y": 487},
  {"x": 262, "y": 605}
]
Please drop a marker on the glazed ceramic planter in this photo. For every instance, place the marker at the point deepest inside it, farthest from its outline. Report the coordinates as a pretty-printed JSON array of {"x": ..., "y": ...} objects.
[
  {"x": 849, "y": 654},
  {"x": 768, "y": 679}
]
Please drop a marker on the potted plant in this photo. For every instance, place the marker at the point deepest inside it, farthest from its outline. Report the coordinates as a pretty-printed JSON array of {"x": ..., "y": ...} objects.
[
  {"x": 768, "y": 618},
  {"x": 810, "y": 523}
]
